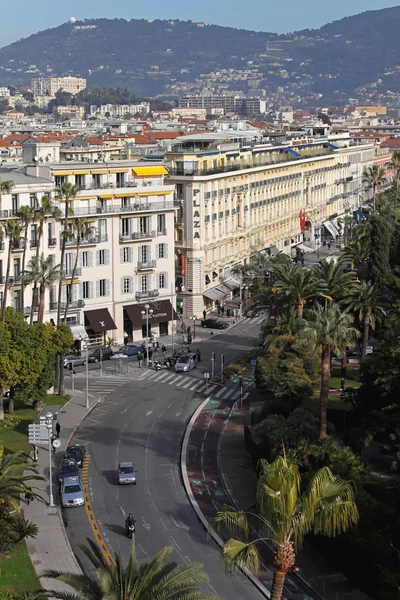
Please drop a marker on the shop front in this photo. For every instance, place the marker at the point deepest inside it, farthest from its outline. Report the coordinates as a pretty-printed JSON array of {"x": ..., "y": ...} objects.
[
  {"x": 160, "y": 320},
  {"x": 97, "y": 323}
]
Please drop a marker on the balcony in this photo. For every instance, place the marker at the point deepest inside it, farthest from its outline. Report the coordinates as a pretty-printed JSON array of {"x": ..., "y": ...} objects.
[
  {"x": 161, "y": 232},
  {"x": 147, "y": 295},
  {"x": 34, "y": 244},
  {"x": 52, "y": 242},
  {"x": 95, "y": 239},
  {"x": 135, "y": 206},
  {"x": 74, "y": 305},
  {"x": 18, "y": 246},
  {"x": 146, "y": 265},
  {"x": 27, "y": 310},
  {"x": 68, "y": 274},
  {"x": 137, "y": 235}
]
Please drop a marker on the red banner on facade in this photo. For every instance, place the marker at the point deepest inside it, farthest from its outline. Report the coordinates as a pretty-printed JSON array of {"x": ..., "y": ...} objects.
[
  {"x": 183, "y": 265},
  {"x": 302, "y": 217}
]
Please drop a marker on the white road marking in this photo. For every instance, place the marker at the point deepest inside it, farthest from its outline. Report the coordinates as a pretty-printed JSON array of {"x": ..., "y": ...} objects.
[
  {"x": 236, "y": 396},
  {"x": 159, "y": 377},
  {"x": 228, "y": 393},
  {"x": 149, "y": 412},
  {"x": 169, "y": 377},
  {"x": 146, "y": 525},
  {"x": 176, "y": 379},
  {"x": 196, "y": 385},
  {"x": 124, "y": 411},
  {"x": 174, "y": 542},
  {"x": 122, "y": 510},
  {"x": 187, "y": 384},
  {"x": 245, "y": 396},
  {"x": 202, "y": 388},
  {"x": 221, "y": 391},
  {"x": 179, "y": 524}
]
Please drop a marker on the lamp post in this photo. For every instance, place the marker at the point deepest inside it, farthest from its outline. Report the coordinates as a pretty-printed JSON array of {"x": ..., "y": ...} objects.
[
  {"x": 194, "y": 319},
  {"x": 49, "y": 424},
  {"x": 145, "y": 313}
]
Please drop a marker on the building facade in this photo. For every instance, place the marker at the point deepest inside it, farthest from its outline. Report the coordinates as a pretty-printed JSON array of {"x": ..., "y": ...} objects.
[
  {"x": 48, "y": 86},
  {"x": 237, "y": 200},
  {"x": 125, "y": 262}
]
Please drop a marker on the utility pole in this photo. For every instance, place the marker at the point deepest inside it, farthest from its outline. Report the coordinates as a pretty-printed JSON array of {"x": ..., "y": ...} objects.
[
  {"x": 212, "y": 365},
  {"x": 241, "y": 390},
  {"x": 222, "y": 368}
]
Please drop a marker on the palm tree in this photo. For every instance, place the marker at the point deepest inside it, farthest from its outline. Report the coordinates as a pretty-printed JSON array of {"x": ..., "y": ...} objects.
[
  {"x": 16, "y": 477},
  {"x": 45, "y": 273},
  {"x": 365, "y": 299},
  {"x": 298, "y": 284},
  {"x": 5, "y": 187},
  {"x": 374, "y": 177},
  {"x": 26, "y": 216},
  {"x": 331, "y": 327},
  {"x": 284, "y": 516},
  {"x": 82, "y": 229},
  {"x": 156, "y": 579},
  {"x": 338, "y": 283},
  {"x": 45, "y": 209},
  {"x": 67, "y": 192},
  {"x": 395, "y": 164},
  {"x": 358, "y": 252},
  {"x": 12, "y": 229}
]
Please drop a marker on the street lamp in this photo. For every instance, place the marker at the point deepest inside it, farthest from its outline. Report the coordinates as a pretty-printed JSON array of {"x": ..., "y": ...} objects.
[
  {"x": 49, "y": 424},
  {"x": 86, "y": 348},
  {"x": 145, "y": 313},
  {"x": 194, "y": 319}
]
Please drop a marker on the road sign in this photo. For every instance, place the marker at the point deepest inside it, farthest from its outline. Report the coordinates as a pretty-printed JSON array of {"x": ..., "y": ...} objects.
[
  {"x": 369, "y": 350},
  {"x": 38, "y": 434},
  {"x": 206, "y": 375},
  {"x": 56, "y": 443},
  {"x": 253, "y": 362}
]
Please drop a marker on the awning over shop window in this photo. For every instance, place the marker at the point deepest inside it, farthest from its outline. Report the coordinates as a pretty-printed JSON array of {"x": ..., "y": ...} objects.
[
  {"x": 232, "y": 284},
  {"x": 149, "y": 171},
  {"x": 224, "y": 288},
  {"x": 78, "y": 331},
  {"x": 100, "y": 320},
  {"x": 162, "y": 312},
  {"x": 272, "y": 251},
  {"x": 213, "y": 294},
  {"x": 331, "y": 228}
]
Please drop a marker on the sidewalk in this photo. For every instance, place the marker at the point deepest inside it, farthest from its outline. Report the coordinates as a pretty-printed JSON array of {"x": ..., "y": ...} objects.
[
  {"x": 51, "y": 548},
  {"x": 239, "y": 477}
]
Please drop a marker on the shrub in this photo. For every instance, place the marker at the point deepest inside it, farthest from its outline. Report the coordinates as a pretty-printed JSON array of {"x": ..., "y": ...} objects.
[{"x": 10, "y": 421}]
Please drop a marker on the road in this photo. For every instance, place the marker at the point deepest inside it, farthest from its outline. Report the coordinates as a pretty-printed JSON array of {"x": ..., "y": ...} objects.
[{"x": 144, "y": 420}]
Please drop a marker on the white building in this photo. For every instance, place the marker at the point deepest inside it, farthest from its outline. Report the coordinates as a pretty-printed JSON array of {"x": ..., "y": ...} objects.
[
  {"x": 48, "y": 86},
  {"x": 120, "y": 110},
  {"x": 4, "y": 92},
  {"x": 126, "y": 262}
]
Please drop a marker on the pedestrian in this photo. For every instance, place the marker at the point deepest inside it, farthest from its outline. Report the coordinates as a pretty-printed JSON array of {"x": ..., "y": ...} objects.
[
  {"x": 53, "y": 437},
  {"x": 188, "y": 330},
  {"x": 58, "y": 429},
  {"x": 204, "y": 314},
  {"x": 150, "y": 357},
  {"x": 342, "y": 382},
  {"x": 140, "y": 359},
  {"x": 222, "y": 310},
  {"x": 163, "y": 350},
  {"x": 219, "y": 311},
  {"x": 329, "y": 245},
  {"x": 181, "y": 307},
  {"x": 29, "y": 496},
  {"x": 228, "y": 312},
  {"x": 35, "y": 453}
]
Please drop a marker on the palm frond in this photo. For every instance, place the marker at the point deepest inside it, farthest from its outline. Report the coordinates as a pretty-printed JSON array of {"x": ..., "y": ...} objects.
[
  {"x": 241, "y": 556},
  {"x": 235, "y": 520}
]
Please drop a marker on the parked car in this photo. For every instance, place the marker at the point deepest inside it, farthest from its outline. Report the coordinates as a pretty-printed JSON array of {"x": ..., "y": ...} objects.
[
  {"x": 72, "y": 492},
  {"x": 106, "y": 354},
  {"x": 214, "y": 324},
  {"x": 126, "y": 473},
  {"x": 77, "y": 452},
  {"x": 128, "y": 350},
  {"x": 74, "y": 361},
  {"x": 68, "y": 468},
  {"x": 186, "y": 362}
]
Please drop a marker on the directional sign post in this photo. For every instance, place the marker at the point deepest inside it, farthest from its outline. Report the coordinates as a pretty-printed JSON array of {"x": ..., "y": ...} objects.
[
  {"x": 38, "y": 434},
  {"x": 207, "y": 377},
  {"x": 253, "y": 364},
  {"x": 222, "y": 369}
]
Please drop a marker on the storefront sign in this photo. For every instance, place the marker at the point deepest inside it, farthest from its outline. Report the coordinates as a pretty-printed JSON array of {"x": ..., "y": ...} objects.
[{"x": 196, "y": 218}]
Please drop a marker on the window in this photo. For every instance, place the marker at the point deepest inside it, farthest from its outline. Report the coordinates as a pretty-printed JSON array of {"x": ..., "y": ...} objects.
[
  {"x": 69, "y": 263},
  {"x": 144, "y": 224},
  {"x": 161, "y": 224},
  {"x": 162, "y": 251},
  {"x": 144, "y": 283},
  {"x": 102, "y": 228},
  {"x": 126, "y": 255},
  {"x": 33, "y": 200},
  {"x": 33, "y": 236},
  {"x": 103, "y": 288},
  {"x": 87, "y": 290},
  {"x": 125, "y": 202},
  {"x": 126, "y": 285},
  {"x": 17, "y": 268},
  {"x": 96, "y": 182},
  {"x": 126, "y": 227},
  {"x": 14, "y": 203},
  {"x": 144, "y": 253},
  {"x": 102, "y": 257},
  {"x": 86, "y": 258},
  {"x": 162, "y": 281}
]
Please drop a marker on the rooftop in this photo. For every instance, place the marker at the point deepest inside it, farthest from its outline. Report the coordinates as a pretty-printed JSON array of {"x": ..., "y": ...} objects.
[{"x": 19, "y": 178}]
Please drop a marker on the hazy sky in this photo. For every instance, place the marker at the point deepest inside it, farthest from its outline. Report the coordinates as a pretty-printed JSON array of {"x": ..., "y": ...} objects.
[{"x": 23, "y": 17}]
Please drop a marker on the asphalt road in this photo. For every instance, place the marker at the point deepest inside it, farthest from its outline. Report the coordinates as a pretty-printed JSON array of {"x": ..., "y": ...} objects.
[{"x": 144, "y": 421}]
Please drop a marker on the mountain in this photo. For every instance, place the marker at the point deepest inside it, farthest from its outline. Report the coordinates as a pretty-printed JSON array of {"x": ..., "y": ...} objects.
[{"x": 349, "y": 57}]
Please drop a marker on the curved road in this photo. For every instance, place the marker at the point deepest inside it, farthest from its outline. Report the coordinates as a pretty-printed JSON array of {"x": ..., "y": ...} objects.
[{"x": 144, "y": 421}]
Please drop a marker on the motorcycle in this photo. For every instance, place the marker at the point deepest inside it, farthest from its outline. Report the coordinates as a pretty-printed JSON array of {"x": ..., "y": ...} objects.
[
  {"x": 158, "y": 365},
  {"x": 130, "y": 528}
]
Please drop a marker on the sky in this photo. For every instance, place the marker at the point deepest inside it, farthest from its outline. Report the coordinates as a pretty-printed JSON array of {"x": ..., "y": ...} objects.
[{"x": 24, "y": 17}]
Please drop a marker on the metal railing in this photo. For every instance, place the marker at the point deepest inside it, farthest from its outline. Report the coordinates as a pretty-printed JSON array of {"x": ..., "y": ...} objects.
[
  {"x": 135, "y": 207},
  {"x": 229, "y": 168},
  {"x": 18, "y": 246},
  {"x": 68, "y": 274},
  {"x": 96, "y": 239},
  {"x": 52, "y": 242},
  {"x": 149, "y": 294},
  {"x": 145, "y": 265},
  {"x": 137, "y": 235},
  {"x": 72, "y": 305},
  {"x": 162, "y": 232}
]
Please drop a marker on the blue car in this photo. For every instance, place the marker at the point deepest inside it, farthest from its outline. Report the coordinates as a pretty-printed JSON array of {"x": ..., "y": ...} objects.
[{"x": 128, "y": 350}]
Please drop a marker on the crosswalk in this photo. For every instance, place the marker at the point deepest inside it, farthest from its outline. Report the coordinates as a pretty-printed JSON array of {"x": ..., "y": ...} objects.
[{"x": 184, "y": 382}]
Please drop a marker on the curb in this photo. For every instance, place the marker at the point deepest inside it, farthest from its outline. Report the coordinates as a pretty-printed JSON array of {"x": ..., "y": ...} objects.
[{"x": 194, "y": 504}]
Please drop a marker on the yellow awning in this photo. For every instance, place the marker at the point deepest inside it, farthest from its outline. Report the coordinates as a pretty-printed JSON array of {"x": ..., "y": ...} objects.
[
  {"x": 119, "y": 171},
  {"x": 106, "y": 196},
  {"x": 76, "y": 281},
  {"x": 148, "y": 171},
  {"x": 62, "y": 173},
  {"x": 99, "y": 171},
  {"x": 81, "y": 172}
]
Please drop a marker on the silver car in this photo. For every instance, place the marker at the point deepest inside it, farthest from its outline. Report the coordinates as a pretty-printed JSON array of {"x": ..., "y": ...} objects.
[
  {"x": 72, "y": 492},
  {"x": 126, "y": 473},
  {"x": 186, "y": 362},
  {"x": 74, "y": 361}
]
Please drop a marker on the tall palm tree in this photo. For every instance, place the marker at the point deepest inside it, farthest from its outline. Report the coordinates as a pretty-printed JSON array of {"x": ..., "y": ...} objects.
[
  {"x": 338, "y": 282},
  {"x": 45, "y": 209},
  {"x": 395, "y": 164},
  {"x": 156, "y": 579},
  {"x": 374, "y": 177},
  {"x": 299, "y": 284},
  {"x": 5, "y": 187},
  {"x": 26, "y": 215},
  {"x": 284, "y": 516},
  {"x": 67, "y": 192},
  {"x": 365, "y": 300},
  {"x": 82, "y": 229},
  {"x": 358, "y": 252},
  {"x": 16, "y": 477},
  {"x": 45, "y": 273},
  {"x": 332, "y": 329},
  {"x": 13, "y": 230}
]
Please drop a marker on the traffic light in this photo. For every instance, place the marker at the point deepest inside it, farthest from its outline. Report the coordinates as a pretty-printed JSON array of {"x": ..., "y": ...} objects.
[
  {"x": 241, "y": 381},
  {"x": 213, "y": 356}
]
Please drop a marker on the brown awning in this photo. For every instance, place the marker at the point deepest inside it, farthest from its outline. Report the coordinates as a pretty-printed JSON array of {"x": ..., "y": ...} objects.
[
  {"x": 100, "y": 320},
  {"x": 161, "y": 313}
]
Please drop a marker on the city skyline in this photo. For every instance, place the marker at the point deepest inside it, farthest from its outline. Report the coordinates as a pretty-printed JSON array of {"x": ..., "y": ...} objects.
[{"x": 21, "y": 21}]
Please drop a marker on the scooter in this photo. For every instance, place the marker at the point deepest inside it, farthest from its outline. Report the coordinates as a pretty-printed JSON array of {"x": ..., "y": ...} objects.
[
  {"x": 158, "y": 365},
  {"x": 131, "y": 528}
]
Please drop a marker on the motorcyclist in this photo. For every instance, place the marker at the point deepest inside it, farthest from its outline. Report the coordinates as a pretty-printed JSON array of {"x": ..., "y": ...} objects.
[
  {"x": 198, "y": 355},
  {"x": 129, "y": 521}
]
